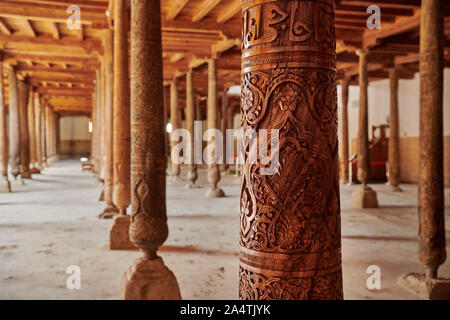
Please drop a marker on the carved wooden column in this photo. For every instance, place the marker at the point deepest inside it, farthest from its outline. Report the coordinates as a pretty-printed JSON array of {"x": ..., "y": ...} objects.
[
  {"x": 24, "y": 91},
  {"x": 4, "y": 181},
  {"x": 110, "y": 209},
  {"x": 224, "y": 125},
  {"x": 32, "y": 132},
  {"x": 175, "y": 121},
  {"x": 363, "y": 197},
  {"x": 211, "y": 119},
  {"x": 190, "y": 117},
  {"x": 344, "y": 132},
  {"x": 432, "y": 242},
  {"x": 148, "y": 278},
  {"x": 14, "y": 128},
  {"x": 44, "y": 136},
  {"x": 394, "y": 143},
  {"x": 47, "y": 135},
  {"x": 121, "y": 115},
  {"x": 103, "y": 137},
  {"x": 290, "y": 220},
  {"x": 166, "y": 117},
  {"x": 38, "y": 131}
]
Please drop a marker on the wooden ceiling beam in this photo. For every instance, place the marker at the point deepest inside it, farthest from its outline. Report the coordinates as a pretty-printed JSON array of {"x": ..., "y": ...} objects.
[
  {"x": 230, "y": 11},
  {"x": 204, "y": 8},
  {"x": 176, "y": 8}
]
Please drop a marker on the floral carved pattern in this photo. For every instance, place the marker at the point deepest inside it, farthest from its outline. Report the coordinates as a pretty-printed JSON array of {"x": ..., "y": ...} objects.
[{"x": 295, "y": 212}]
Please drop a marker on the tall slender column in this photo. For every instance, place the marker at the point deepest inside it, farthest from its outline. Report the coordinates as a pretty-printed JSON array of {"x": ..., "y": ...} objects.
[
  {"x": 14, "y": 126},
  {"x": 432, "y": 252},
  {"x": 148, "y": 278},
  {"x": 344, "y": 132},
  {"x": 211, "y": 119},
  {"x": 4, "y": 181},
  {"x": 431, "y": 184},
  {"x": 44, "y": 135},
  {"x": 110, "y": 209},
  {"x": 175, "y": 121},
  {"x": 32, "y": 132},
  {"x": 364, "y": 197},
  {"x": 290, "y": 217},
  {"x": 38, "y": 131},
  {"x": 103, "y": 139},
  {"x": 190, "y": 117},
  {"x": 23, "y": 91},
  {"x": 224, "y": 125},
  {"x": 121, "y": 115},
  {"x": 94, "y": 131},
  {"x": 166, "y": 136},
  {"x": 47, "y": 135},
  {"x": 394, "y": 144}
]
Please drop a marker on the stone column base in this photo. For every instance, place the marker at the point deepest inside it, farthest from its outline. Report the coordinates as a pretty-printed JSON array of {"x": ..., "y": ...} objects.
[
  {"x": 35, "y": 171},
  {"x": 214, "y": 192},
  {"x": 149, "y": 280},
  {"x": 428, "y": 289},
  {"x": 364, "y": 197},
  {"x": 119, "y": 237},
  {"x": 109, "y": 212},
  {"x": 5, "y": 186},
  {"x": 17, "y": 181},
  {"x": 396, "y": 188}
]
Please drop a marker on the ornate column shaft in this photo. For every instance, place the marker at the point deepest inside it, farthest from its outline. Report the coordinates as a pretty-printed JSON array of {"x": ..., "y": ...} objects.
[
  {"x": 211, "y": 120},
  {"x": 431, "y": 184},
  {"x": 121, "y": 115},
  {"x": 110, "y": 209},
  {"x": 148, "y": 278},
  {"x": 364, "y": 197},
  {"x": 14, "y": 127},
  {"x": 175, "y": 121},
  {"x": 4, "y": 181},
  {"x": 290, "y": 220},
  {"x": 32, "y": 132},
  {"x": 38, "y": 130},
  {"x": 44, "y": 135},
  {"x": 224, "y": 124},
  {"x": 190, "y": 117},
  {"x": 394, "y": 143},
  {"x": 24, "y": 91},
  {"x": 98, "y": 126},
  {"x": 344, "y": 132},
  {"x": 363, "y": 124},
  {"x": 47, "y": 135},
  {"x": 103, "y": 129}
]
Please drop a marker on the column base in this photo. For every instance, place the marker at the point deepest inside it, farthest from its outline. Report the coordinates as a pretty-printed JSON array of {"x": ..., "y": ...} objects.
[
  {"x": 214, "y": 192},
  {"x": 18, "y": 181},
  {"x": 364, "y": 197},
  {"x": 109, "y": 212},
  {"x": 175, "y": 178},
  {"x": 35, "y": 171},
  {"x": 5, "y": 186},
  {"x": 119, "y": 237},
  {"x": 149, "y": 280},
  {"x": 26, "y": 175},
  {"x": 396, "y": 188},
  {"x": 428, "y": 289}
]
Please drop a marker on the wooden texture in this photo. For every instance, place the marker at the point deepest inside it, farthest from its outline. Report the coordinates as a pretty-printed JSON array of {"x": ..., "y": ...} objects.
[
  {"x": 121, "y": 117},
  {"x": 431, "y": 182},
  {"x": 394, "y": 132},
  {"x": 14, "y": 125},
  {"x": 363, "y": 126},
  {"x": 3, "y": 128},
  {"x": 175, "y": 121},
  {"x": 344, "y": 132},
  {"x": 290, "y": 232}
]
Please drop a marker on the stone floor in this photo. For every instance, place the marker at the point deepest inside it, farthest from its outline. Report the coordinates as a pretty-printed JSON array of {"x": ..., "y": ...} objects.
[{"x": 51, "y": 223}]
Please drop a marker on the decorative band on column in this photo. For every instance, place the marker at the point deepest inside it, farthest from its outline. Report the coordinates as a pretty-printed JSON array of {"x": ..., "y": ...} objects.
[{"x": 290, "y": 221}]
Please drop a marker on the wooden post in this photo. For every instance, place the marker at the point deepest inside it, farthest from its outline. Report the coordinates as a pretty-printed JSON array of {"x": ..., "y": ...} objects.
[
  {"x": 32, "y": 132},
  {"x": 432, "y": 252},
  {"x": 44, "y": 135},
  {"x": 344, "y": 132},
  {"x": 14, "y": 126},
  {"x": 110, "y": 209},
  {"x": 175, "y": 121},
  {"x": 5, "y": 186},
  {"x": 148, "y": 278},
  {"x": 290, "y": 220},
  {"x": 211, "y": 119},
  {"x": 431, "y": 184},
  {"x": 364, "y": 197},
  {"x": 190, "y": 118},
  {"x": 121, "y": 116},
  {"x": 24, "y": 90},
  {"x": 394, "y": 144}
]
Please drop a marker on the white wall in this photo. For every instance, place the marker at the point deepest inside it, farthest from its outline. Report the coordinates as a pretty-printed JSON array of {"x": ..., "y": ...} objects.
[
  {"x": 74, "y": 128},
  {"x": 409, "y": 101}
]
